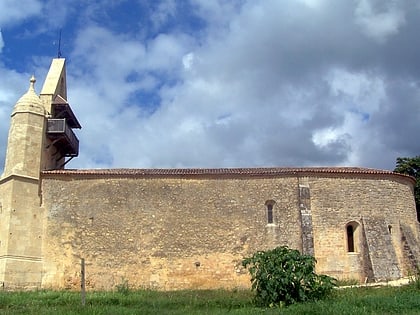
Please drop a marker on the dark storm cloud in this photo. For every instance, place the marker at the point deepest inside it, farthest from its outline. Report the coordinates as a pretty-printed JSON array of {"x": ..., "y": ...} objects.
[{"x": 398, "y": 121}]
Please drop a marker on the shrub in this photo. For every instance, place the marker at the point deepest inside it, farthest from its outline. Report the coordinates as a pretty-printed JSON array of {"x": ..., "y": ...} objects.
[{"x": 285, "y": 276}]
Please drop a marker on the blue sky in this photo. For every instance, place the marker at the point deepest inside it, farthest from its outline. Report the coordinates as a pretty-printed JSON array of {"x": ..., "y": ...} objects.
[{"x": 240, "y": 83}]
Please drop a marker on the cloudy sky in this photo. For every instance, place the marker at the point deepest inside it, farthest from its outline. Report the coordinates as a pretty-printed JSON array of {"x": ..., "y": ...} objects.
[{"x": 224, "y": 83}]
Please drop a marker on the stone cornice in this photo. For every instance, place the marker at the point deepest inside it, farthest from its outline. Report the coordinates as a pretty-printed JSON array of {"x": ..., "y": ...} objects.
[
  {"x": 17, "y": 176},
  {"x": 27, "y": 111},
  {"x": 19, "y": 257}
]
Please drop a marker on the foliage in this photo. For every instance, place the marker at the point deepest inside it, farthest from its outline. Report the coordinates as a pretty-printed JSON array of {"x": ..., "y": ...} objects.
[
  {"x": 365, "y": 300},
  {"x": 285, "y": 276},
  {"x": 123, "y": 287},
  {"x": 415, "y": 278},
  {"x": 411, "y": 166}
]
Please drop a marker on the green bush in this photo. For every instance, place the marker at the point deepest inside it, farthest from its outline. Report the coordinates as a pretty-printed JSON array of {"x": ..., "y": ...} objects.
[{"x": 285, "y": 276}]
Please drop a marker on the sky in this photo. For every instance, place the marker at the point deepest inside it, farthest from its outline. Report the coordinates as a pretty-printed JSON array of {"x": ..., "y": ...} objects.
[{"x": 224, "y": 83}]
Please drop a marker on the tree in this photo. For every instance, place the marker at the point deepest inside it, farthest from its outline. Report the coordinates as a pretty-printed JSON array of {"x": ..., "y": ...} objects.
[
  {"x": 285, "y": 276},
  {"x": 411, "y": 166}
]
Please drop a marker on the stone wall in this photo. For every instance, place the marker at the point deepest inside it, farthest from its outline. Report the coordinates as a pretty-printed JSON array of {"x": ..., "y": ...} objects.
[
  {"x": 193, "y": 232},
  {"x": 163, "y": 232},
  {"x": 385, "y": 203},
  {"x": 21, "y": 233}
]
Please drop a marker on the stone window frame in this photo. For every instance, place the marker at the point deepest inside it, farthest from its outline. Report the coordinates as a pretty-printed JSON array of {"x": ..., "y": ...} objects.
[
  {"x": 352, "y": 233},
  {"x": 269, "y": 211}
]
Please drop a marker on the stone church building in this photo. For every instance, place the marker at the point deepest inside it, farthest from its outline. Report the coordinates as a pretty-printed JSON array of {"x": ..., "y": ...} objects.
[{"x": 183, "y": 228}]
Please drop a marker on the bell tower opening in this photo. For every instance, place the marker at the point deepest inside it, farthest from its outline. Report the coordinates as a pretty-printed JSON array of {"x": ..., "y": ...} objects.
[{"x": 62, "y": 144}]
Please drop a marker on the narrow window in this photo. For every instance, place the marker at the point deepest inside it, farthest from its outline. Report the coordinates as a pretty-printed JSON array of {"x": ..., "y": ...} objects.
[
  {"x": 350, "y": 238},
  {"x": 269, "y": 213},
  {"x": 390, "y": 229}
]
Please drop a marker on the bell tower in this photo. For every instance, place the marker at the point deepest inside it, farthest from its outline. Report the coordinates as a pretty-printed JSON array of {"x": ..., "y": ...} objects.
[
  {"x": 40, "y": 138},
  {"x": 60, "y": 142}
]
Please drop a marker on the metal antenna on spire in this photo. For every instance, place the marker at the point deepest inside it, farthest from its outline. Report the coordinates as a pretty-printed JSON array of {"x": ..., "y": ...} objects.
[{"x": 59, "y": 45}]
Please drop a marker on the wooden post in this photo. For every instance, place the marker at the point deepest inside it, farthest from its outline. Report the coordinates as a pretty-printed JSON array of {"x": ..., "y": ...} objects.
[{"x": 83, "y": 283}]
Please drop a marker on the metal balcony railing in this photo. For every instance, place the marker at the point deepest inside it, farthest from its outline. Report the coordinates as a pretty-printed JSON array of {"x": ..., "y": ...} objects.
[{"x": 63, "y": 136}]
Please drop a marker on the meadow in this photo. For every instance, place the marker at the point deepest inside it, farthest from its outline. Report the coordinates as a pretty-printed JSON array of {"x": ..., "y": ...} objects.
[{"x": 363, "y": 300}]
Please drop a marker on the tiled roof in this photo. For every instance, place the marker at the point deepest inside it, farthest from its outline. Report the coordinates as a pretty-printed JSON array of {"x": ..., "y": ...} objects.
[{"x": 225, "y": 172}]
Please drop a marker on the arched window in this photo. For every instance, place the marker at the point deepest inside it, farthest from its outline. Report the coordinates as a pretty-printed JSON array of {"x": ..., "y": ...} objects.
[
  {"x": 270, "y": 213},
  {"x": 352, "y": 236}
]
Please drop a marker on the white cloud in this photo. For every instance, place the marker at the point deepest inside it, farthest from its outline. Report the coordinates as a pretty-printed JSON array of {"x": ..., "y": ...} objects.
[
  {"x": 165, "y": 10},
  {"x": 12, "y": 12},
  {"x": 217, "y": 14},
  {"x": 165, "y": 52},
  {"x": 106, "y": 60},
  {"x": 379, "y": 19},
  {"x": 1, "y": 41},
  {"x": 312, "y": 3},
  {"x": 12, "y": 86},
  {"x": 234, "y": 99},
  {"x": 188, "y": 61},
  {"x": 363, "y": 92}
]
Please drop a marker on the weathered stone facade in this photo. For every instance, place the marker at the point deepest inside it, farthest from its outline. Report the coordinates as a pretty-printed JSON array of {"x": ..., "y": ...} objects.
[
  {"x": 191, "y": 228},
  {"x": 171, "y": 230}
]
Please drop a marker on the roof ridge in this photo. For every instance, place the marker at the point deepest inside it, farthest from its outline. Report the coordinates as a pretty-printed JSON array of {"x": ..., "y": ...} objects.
[{"x": 222, "y": 171}]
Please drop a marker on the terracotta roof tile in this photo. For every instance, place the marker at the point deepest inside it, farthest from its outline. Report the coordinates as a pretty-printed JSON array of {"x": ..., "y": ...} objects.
[{"x": 224, "y": 172}]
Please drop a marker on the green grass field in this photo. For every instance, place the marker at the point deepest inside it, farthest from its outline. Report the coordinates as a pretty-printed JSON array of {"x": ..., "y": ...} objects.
[{"x": 385, "y": 300}]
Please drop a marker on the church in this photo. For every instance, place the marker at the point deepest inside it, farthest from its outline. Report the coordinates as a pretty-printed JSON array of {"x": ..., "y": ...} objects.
[{"x": 170, "y": 229}]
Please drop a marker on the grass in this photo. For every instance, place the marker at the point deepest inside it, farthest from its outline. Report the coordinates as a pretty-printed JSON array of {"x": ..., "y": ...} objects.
[
  {"x": 347, "y": 282},
  {"x": 384, "y": 300}
]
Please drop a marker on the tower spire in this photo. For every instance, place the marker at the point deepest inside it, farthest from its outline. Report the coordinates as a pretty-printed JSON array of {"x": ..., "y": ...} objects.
[
  {"x": 59, "y": 45},
  {"x": 32, "y": 81}
]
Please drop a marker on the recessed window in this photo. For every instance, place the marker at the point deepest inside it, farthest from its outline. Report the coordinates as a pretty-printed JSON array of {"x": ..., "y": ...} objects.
[
  {"x": 269, "y": 214},
  {"x": 352, "y": 236},
  {"x": 270, "y": 211}
]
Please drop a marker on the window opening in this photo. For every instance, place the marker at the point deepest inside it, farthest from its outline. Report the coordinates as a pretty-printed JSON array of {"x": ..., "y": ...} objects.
[
  {"x": 350, "y": 238},
  {"x": 269, "y": 213}
]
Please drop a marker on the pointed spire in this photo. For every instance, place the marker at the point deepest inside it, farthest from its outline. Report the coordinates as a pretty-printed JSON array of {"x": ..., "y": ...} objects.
[
  {"x": 31, "y": 90},
  {"x": 32, "y": 83},
  {"x": 30, "y": 100}
]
